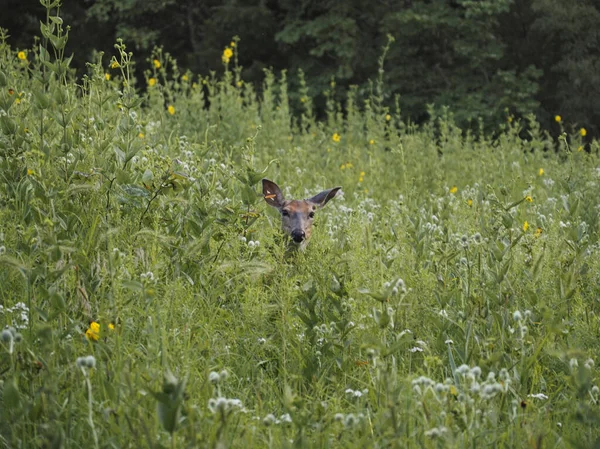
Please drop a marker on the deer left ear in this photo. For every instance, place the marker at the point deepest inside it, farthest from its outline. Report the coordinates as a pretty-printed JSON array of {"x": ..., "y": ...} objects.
[{"x": 321, "y": 199}]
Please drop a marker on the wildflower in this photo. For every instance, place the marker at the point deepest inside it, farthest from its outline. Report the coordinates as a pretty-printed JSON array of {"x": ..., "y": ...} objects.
[
  {"x": 470, "y": 202},
  {"x": 269, "y": 419},
  {"x": 538, "y": 232},
  {"x": 517, "y": 315},
  {"x": 151, "y": 82},
  {"x": 227, "y": 54},
  {"x": 454, "y": 189},
  {"x": 156, "y": 63},
  {"x": 529, "y": 199},
  {"x": 525, "y": 226},
  {"x": 583, "y": 132},
  {"x": 362, "y": 176},
  {"x": 115, "y": 65},
  {"x": 185, "y": 78},
  {"x": 510, "y": 119},
  {"x": 111, "y": 326},
  {"x": 171, "y": 109},
  {"x": 22, "y": 56},
  {"x": 240, "y": 83},
  {"x": 232, "y": 44},
  {"x": 214, "y": 377},
  {"x": 388, "y": 117},
  {"x": 141, "y": 135},
  {"x": 371, "y": 142},
  {"x": 30, "y": 172},
  {"x": 541, "y": 172},
  {"x": 93, "y": 332},
  {"x": 107, "y": 76},
  {"x": 303, "y": 100},
  {"x": 557, "y": 118},
  {"x": 336, "y": 137},
  {"x": 580, "y": 148}
]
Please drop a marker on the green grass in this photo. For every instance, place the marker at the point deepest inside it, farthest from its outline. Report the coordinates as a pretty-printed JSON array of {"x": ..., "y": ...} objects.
[{"x": 424, "y": 313}]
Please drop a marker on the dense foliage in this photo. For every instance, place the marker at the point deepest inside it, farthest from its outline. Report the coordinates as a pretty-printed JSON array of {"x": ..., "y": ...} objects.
[
  {"x": 479, "y": 57},
  {"x": 448, "y": 299}
]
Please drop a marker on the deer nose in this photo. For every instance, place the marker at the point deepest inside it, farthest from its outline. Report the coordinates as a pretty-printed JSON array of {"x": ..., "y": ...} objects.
[{"x": 298, "y": 235}]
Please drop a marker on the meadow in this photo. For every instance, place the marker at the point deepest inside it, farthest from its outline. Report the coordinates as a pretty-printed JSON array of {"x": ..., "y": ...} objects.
[{"x": 448, "y": 299}]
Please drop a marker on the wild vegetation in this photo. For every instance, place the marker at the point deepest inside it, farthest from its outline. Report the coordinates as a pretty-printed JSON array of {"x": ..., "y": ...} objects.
[
  {"x": 480, "y": 57},
  {"x": 449, "y": 299}
]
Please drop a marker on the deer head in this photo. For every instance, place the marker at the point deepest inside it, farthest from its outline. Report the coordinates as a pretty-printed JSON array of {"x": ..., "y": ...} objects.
[{"x": 296, "y": 215}]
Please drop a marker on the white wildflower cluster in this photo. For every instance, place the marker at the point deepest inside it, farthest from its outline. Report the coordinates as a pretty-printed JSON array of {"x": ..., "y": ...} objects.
[
  {"x": 87, "y": 362},
  {"x": 420, "y": 344},
  {"x": 349, "y": 420},
  {"x": 398, "y": 287},
  {"x": 9, "y": 337},
  {"x": 355, "y": 394},
  {"x": 118, "y": 253},
  {"x": 148, "y": 277},
  {"x": 217, "y": 378},
  {"x": 252, "y": 244},
  {"x": 271, "y": 419},
  {"x": 17, "y": 315},
  {"x": 225, "y": 406},
  {"x": 520, "y": 319},
  {"x": 470, "y": 387},
  {"x": 436, "y": 432}
]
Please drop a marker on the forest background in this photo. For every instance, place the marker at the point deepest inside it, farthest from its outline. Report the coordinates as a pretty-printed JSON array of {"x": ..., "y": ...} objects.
[{"x": 487, "y": 60}]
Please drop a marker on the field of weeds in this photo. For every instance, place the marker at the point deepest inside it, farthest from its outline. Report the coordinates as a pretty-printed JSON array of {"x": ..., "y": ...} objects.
[{"x": 448, "y": 299}]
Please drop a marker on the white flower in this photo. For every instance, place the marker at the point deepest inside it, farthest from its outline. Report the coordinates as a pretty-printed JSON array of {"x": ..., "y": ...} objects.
[{"x": 538, "y": 396}]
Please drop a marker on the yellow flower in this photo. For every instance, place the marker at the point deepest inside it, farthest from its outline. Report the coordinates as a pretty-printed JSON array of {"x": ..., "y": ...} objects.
[
  {"x": 22, "y": 56},
  {"x": 470, "y": 202},
  {"x": 525, "y": 226},
  {"x": 538, "y": 232},
  {"x": 141, "y": 135},
  {"x": 93, "y": 333},
  {"x": 583, "y": 132},
  {"x": 336, "y": 137},
  {"x": 115, "y": 65},
  {"x": 454, "y": 189},
  {"x": 580, "y": 148},
  {"x": 529, "y": 199},
  {"x": 156, "y": 63},
  {"x": 227, "y": 54},
  {"x": 388, "y": 117},
  {"x": 371, "y": 142},
  {"x": 240, "y": 83},
  {"x": 30, "y": 172},
  {"x": 362, "y": 173},
  {"x": 107, "y": 76},
  {"x": 151, "y": 82},
  {"x": 171, "y": 109},
  {"x": 557, "y": 118},
  {"x": 111, "y": 326},
  {"x": 232, "y": 44},
  {"x": 303, "y": 100},
  {"x": 185, "y": 78},
  {"x": 510, "y": 119},
  {"x": 361, "y": 177},
  {"x": 541, "y": 172}
]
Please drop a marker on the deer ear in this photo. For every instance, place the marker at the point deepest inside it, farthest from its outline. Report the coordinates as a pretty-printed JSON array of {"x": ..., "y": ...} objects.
[
  {"x": 272, "y": 194},
  {"x": 321, "y": 199}
]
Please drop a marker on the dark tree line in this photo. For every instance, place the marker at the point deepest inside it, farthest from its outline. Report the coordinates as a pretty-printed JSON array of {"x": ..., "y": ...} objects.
[{"x": 481, "y": 57}]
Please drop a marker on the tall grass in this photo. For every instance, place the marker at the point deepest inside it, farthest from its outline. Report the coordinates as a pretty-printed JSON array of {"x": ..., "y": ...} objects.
[{"x": 448, "y": 299}]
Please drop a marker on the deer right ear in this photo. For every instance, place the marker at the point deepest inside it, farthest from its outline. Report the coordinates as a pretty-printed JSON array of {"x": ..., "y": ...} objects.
[{"x": 272, "y": 194}]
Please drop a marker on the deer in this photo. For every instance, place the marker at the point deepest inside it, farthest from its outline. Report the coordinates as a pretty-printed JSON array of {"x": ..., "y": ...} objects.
[{"x": 296, "y": 215}]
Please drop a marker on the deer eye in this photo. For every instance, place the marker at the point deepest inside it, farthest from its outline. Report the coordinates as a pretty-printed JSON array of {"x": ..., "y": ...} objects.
[
  {"x": 311, "y": 215},
  {"x": 285, "y": 213}
]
